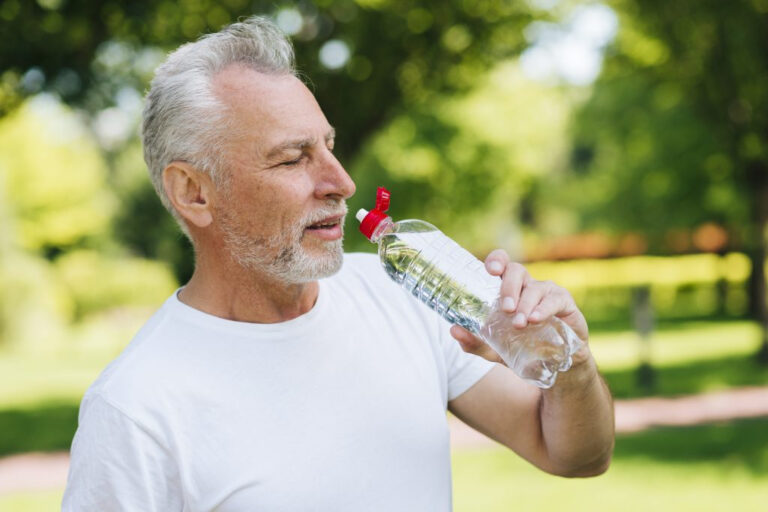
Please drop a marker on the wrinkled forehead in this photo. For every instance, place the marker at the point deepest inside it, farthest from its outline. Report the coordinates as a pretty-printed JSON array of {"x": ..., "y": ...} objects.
[{"x": 266, "y": 108}]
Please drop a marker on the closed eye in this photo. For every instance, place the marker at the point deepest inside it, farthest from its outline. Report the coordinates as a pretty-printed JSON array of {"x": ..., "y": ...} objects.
[{"x": 289, "y": 163}]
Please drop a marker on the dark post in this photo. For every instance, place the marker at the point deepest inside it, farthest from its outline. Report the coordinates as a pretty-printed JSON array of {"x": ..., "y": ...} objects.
[{"x": 642, "y": 311}]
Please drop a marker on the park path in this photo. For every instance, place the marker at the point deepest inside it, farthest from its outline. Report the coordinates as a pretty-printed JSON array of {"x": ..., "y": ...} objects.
[
  {"x": 642, "y": 413},
  {"x": 45, "y": 471}
]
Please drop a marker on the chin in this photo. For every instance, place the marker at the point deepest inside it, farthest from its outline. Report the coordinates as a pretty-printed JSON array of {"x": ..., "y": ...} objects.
[{"x": 305, "y": 268}]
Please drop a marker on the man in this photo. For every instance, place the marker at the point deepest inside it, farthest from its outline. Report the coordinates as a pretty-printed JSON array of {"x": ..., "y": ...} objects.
[{"x": 285, "y": 375}]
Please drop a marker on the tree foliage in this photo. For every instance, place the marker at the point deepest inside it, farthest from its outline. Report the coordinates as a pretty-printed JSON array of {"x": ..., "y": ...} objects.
[
  {"x": 675, "y": 132},
  {"x": 467, "y": 162},
  {"x": 400, "y": 50},
  {"x": 58, "y": 261},
  {"x": 402, "y": 53},
  {"x": 672, "y": 134},
  {"x": 57, "y": 188}
]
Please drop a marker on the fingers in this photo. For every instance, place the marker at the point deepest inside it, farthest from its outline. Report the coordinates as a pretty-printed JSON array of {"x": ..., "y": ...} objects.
[
  {"x": 474, "y": 345},
  {"x": 527, "y": 299},
  {"x": 512, "y": 285},
  {"x": 532, "y": 294},
  {"x": 513, "y": 277},
  {"x": 496, "y": 262},
  {"x": 556, "y": 301}
]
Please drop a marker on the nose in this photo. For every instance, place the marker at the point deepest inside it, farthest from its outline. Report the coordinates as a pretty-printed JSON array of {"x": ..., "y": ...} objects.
[{"x": 333, "y": 182}]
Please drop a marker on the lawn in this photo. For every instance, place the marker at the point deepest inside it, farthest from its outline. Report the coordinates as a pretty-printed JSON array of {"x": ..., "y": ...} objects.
[
  {"x": 32, "y": 501},
  {"x": 39, "y": 394},
  {"x": 705, "y": 468},
  {"x": 718, "y": 467},
  {"x": 688, "y": 358},
  {"x": 710, "y": 468},
  {"x": 28, "y": 379}
]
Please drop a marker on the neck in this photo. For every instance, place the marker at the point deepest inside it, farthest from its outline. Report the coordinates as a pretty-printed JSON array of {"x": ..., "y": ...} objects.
[{"x": 233, "y": 292}]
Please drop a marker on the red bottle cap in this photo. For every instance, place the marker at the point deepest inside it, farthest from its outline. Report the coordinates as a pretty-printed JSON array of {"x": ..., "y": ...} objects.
[{"x": 374, "y": 217}]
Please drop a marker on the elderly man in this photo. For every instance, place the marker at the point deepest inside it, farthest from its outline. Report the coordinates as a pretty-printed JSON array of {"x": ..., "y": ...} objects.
[{"x": 286, "y": 375}]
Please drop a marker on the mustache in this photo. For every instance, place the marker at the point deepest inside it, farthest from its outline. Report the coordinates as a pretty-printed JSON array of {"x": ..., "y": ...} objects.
[{"x": 332, "y": 210}]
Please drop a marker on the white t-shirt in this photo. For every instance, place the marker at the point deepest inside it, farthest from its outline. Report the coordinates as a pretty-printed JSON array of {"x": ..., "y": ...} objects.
[{"x": 340, "y": 409}]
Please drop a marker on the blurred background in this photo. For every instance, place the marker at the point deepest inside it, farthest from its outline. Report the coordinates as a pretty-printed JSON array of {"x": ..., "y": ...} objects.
[{"x": 618, "y": 147}]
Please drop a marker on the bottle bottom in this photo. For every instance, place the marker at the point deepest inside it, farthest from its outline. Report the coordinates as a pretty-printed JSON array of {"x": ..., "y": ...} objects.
[{"x": 536, "y": 353}]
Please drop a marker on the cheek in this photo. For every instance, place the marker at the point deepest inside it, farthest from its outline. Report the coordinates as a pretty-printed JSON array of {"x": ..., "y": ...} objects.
[{"x": 280, "y": 203}]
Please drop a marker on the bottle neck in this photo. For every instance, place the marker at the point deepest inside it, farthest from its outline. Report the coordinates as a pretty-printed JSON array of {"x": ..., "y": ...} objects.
[{"x": 384, "y": 227}]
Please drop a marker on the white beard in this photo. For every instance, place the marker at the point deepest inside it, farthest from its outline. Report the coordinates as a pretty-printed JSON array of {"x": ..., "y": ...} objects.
[{"x": 282, "y": 256}]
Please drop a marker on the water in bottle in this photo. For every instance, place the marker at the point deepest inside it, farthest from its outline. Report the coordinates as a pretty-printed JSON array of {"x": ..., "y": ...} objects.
[{"x": 455, "y": 284}]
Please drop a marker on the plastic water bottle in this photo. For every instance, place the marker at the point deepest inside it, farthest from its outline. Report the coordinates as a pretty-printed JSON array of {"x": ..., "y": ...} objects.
[{"x": 455, "y": 284}]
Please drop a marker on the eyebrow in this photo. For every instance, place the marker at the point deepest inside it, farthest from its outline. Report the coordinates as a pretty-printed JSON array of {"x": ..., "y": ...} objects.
[{"x": 300, "y": 144}]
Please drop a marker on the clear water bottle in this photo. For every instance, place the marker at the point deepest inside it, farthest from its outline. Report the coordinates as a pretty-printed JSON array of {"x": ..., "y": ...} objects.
[{"x": 455, "y": 284}]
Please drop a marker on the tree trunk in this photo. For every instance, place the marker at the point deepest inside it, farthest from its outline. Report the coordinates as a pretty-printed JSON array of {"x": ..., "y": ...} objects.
[
  {"x": 758, "y": 251},
  {"x": 721, "y": 286}
]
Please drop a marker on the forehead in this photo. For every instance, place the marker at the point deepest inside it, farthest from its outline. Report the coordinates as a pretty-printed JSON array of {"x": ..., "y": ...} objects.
[{"x": 269, "y": 108}]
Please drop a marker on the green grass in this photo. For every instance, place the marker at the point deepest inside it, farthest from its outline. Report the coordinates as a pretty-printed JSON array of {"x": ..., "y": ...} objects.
[
  {"x": 62, "y": 376},
  {"x": 32, "y": 501},
  {"x": 688, "y": 358},
  {"x": 39, "y": 393},
  {"x": 29, "y": 380},
  {"x": 677, "y": 343},
  {"x": 691, "y": 378},
  {"x": 704, "y": 468},
  {"x": 61, "y": 373}
]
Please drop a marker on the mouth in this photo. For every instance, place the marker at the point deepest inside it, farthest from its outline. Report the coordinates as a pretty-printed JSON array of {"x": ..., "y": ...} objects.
[
  {"x": 328, "y": 228},
  {"x": 327, "y": 222}
]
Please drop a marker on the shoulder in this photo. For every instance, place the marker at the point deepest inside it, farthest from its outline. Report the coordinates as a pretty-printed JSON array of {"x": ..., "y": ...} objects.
[
  {"x": 362, "y": 273},
  {"x": 364, "y": 284},
  {"x": 133, "y": 376}
]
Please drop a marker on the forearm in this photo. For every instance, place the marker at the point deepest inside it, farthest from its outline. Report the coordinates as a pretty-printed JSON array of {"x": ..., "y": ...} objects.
[
  {"x": 566, "y": 430},
  {"x": 577, "y": 421}
]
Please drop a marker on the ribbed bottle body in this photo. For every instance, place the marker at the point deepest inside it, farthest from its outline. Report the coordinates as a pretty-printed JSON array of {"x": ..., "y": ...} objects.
[
  {"x": 455, "y": 284},
  {"x": 440, "y": 273}
]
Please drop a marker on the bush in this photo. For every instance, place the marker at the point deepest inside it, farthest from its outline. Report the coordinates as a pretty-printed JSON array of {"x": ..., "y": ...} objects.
[
  {"x": 97, "y": 283},
  {"x": 34, "y": 307},
  {"x": 690, "y": 286}
]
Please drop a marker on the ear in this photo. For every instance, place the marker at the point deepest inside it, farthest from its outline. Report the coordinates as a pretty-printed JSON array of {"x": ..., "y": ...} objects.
[{"x": 190, "y": 192}]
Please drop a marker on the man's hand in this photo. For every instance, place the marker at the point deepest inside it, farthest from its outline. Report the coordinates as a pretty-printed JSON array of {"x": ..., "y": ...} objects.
[
  {"x": 567, "y": 429},
  {"x": 527, "y": 301}
]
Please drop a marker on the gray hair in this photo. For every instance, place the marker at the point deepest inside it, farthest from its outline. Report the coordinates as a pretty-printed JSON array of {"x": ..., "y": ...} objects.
[{"x": 183, "y": 119}]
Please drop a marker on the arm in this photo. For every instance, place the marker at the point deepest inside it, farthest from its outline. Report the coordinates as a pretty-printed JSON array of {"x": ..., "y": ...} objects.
[{"x": 566, "y": 430}]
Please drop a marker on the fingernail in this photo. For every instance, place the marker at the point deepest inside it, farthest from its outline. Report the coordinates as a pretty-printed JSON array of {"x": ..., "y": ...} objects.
[
  {"x": 520, "y": 320},
  {"x": 508, "y": 304},
  {"x": 535, "y": 316},
  {"x": 495, "y": 266}
]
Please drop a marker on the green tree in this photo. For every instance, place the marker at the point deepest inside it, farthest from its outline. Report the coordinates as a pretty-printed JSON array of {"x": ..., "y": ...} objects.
[
  {"x": 399, "y": 50},
  {"x": 674, "y": 133},
  {"x": 58, "y": 260},
  {"x": 401, "y": 53},
  {"x": 468, "y": 162},
  {"x": 54, "y": 179}
]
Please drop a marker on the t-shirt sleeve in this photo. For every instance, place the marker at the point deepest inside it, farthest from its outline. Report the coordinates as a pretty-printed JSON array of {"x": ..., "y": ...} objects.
[
  {"x": 463, "y": 370},
  {"x": 116, "y": 465}
]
